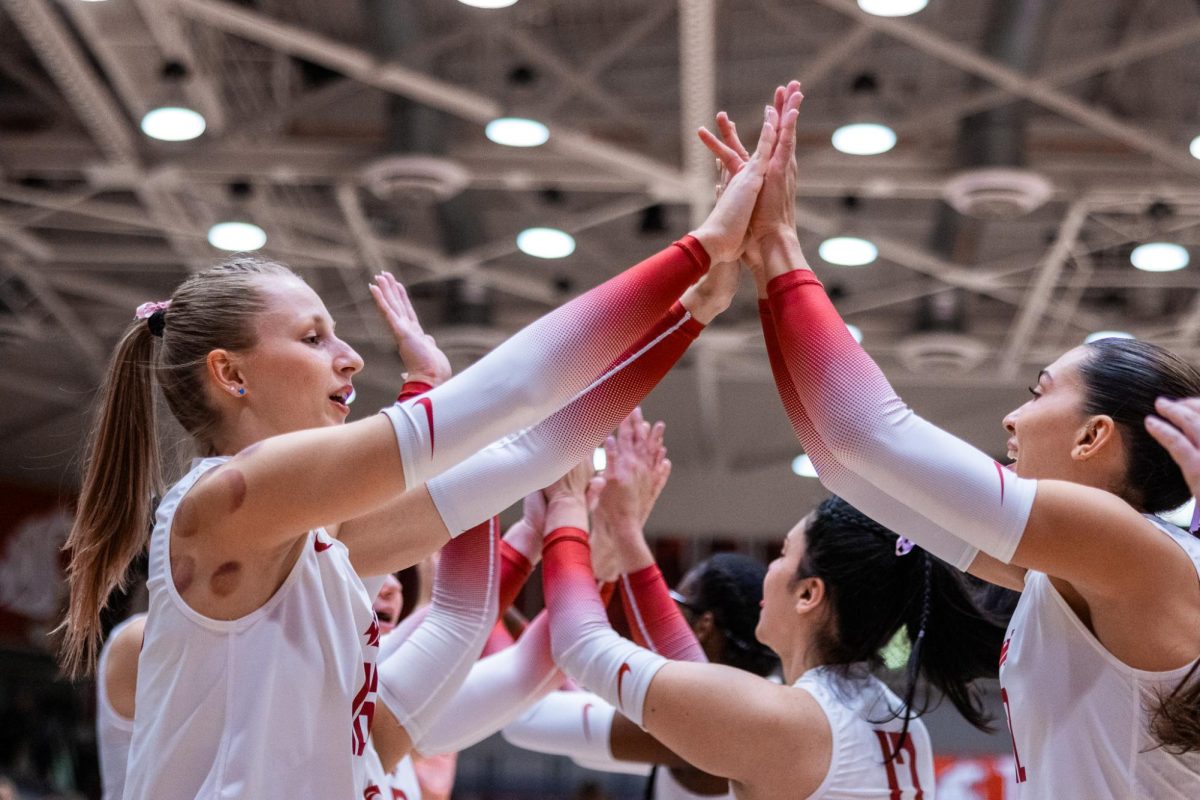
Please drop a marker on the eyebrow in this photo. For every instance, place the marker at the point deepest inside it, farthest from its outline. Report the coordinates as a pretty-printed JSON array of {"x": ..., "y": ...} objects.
[{"x": 1046, "y": 374}]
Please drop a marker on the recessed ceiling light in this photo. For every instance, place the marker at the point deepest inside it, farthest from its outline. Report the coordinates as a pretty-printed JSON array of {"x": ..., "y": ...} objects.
[
  {"x": 173, "y": 124},
  {"x": 892, "y": 8},
  {"x": 1194, "y": 147},
  {"x": 1098, "y": 335},
  {"x": 488, "y": 3},
  {"x": 545, "y": 242},
  {"x": 855, "y": 331},
  {"x": 848, "y": 251},
  {"x": 1159, "y": 257},
  {"x": 802, "y": 465},
  {"x": 237, "y": 237},
  {"x": 517, "y": 132},
  {"x": 599, "y": 459},
  {"x": 864, "y": 139}
]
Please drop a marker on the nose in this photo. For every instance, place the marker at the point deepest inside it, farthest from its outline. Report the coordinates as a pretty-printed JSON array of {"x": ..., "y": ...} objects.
[
  {"x": 1010, "y": 421},
  {"x": 348, "y": 360}
]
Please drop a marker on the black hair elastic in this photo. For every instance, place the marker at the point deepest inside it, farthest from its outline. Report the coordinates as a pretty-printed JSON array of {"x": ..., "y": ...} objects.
[{"x": 157, "y": 322}]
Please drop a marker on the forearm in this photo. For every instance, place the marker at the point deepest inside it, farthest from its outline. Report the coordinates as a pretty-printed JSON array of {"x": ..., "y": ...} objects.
[
  {"x": 654, "y": 618},
  {"x": 539, "y": 369},
  {"x": 427, "y": 669},
  {"x": 872, "y": 433},
  {"x": 865, "y": 496}
]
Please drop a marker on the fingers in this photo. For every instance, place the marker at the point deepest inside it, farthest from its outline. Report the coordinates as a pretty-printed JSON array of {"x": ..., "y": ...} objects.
[
  {"x": 728, "y": 157},
  {"x": 1184, "y": 414},
  {"x": 786, "y": 148},
  {"x": 729, "y": 135},
  {"x": 1181, "y": 448}
]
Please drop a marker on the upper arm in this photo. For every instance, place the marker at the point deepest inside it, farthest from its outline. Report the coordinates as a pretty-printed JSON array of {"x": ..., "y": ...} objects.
[
  {"x": 121, "y": 667},
  {"x": 628, "y": 742},
  {"x": 1099, "y": 544},
  {"x": 394, "y": 536},
  {"x": 731, "y": 723},
  {"x": 286, "y": 485},
  {"x": 994, "y": 571}
]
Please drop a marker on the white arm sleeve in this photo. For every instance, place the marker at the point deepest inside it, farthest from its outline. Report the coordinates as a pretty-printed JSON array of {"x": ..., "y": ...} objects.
[
  {"x": 498, "y": 689},
  {"x": 426, "y": 669},
  {"x": 575, "y": 724}
]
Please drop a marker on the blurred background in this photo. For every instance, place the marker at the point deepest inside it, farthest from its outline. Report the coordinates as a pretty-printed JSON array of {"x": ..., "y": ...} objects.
[{"x": 984, "y": 184}]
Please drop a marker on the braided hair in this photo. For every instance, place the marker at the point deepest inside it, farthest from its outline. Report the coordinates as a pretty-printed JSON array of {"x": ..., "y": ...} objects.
[{"x": 876, "y": 587}]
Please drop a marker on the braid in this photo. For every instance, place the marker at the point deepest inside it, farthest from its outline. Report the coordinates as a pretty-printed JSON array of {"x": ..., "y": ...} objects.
[{"x": 914, "y": 659}]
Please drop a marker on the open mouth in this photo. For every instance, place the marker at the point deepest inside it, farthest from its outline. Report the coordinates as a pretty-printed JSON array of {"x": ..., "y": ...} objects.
[{"x": 343, "y": 398}]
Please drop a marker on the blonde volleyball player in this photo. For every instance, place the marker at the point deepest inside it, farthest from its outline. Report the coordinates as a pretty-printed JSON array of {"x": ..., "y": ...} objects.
[
  {"x": 246, "y": 579},
  {"x": 1099, "y": 664}
]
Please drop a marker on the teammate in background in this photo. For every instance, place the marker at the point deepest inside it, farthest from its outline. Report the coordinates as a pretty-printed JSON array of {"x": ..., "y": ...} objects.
[
  {"x": 720, "y": 598},
  {"x": 1100, "y": 703}
]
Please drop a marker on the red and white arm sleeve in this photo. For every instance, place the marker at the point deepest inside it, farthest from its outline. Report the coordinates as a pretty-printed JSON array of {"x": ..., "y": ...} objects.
[
  {"x": 509, "y": 469},
  {"x": 515, "y": 569},
  {"x": 583, "y": 643},
  {"x": 848, "y": 485},
  {"x": 654, "y": 619},
  {"x": 542, "y": 367},
  {"x": 573, "y": 724},
  {"x": 498, "y": 689},
  {"x": 420, "y": 677},
  {"x": 869, "y": 431}
]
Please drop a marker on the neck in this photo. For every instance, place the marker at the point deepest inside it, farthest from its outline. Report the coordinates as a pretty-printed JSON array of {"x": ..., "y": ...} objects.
[{"x": 802, "y": 657}]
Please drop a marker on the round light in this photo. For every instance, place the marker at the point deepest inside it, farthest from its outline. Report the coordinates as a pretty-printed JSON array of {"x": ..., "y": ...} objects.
[
  {"x": 1182, "y": 516},
  {"x": 238, "y": 237},
  {"x": 599, "y": 459},
  {"x": 173, "y": 124},
  {"x": 848, "y": 251},
  {"x": 545, "y": 243},
  {"x": 1098, "y": 335},
  {"x": 864, "y": 139},
  {"x": 802, "y": 465},
  {"x": 855, "y": 331},
  {"x": 488, "y": 3},
  {"x": 892, "y": 8},
  {"x": 1159, "y": 257},
  {"x": 517, "y": 132},
  {"x": 1194, "y": 148}
]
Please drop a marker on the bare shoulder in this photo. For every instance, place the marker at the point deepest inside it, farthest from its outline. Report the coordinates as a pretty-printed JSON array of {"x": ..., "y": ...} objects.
[{"x": 121, "y": 667}]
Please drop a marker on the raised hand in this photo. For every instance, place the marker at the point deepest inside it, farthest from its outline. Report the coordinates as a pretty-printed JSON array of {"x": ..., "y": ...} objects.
[
  {"x": 714, "y": 293},
  {"x": 1178, "y": 430},
  {"x": 422, "y": 359},
  {"x": 724, "y": 231},
  {"x": 636, "y": 473}
]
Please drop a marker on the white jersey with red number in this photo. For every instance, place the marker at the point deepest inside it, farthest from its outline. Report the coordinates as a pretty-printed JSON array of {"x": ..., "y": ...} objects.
[
  {"x": 276, "y": 704},
  {"x": 399, "y": 784},
  {"x": 866, "y": 736},
  {"x": 1078, "y": 716},
  {"x": 113, "y": 731}
]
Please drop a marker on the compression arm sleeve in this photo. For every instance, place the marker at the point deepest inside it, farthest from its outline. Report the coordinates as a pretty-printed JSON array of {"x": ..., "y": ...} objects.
[
  {"x": 583, "y": 643},
  {"x": 542, "y": 367},
  {"x": 498, "y": 689},
  {"x": 654, "y": 619},
  {"x": 860, "y": 493},
  {"x": 426, "y": 669},
  {"x": 869, "y": 431},
  {"x": 574, "y": 724},
  {"x": 515, "y": 569},
  {"x": 512, "y": 467}
]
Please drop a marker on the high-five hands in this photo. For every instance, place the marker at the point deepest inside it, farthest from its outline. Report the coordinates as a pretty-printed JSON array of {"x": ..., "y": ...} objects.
[{"x": 419, "y": 352}]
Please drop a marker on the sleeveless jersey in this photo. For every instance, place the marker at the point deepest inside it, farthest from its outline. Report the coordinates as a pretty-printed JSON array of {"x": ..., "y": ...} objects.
[
  {"x": 1078, "y": 716},
  {"x": 865, "y": 762},
  {"x": 113, "y": 731},
  {"x": 275, "y": 705}
]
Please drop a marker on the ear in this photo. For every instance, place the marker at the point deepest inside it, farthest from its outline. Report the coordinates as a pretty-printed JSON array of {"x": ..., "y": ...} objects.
[
  {"x": 705, "y": 627},
  {"x": 1095, "y": 436},
  {"x": 809, "y": 594},
  {"x": 224, "y": 372}
]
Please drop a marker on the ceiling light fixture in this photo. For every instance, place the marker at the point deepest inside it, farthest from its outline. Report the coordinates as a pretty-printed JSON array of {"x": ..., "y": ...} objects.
[
  {"x": 517, "y": 132},
  {"x": 1194, "y": 147},
  {"x": 1159, "y": 257},
  {"x": 864, "y": 139},
  {"x": 855, "y": 331},
  {"x": 237, "y": 237},
  {"x": 848, "y": 251},
  {"x": 892, "y": 8},
  {"x": 802, "y": 465},
  {"x": 545, "y": 243},
  {"x": 488, "y": 3},
  {"x": 173, "y": 124}
]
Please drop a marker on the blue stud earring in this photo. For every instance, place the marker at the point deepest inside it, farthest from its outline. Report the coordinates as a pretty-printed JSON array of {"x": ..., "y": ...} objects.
[{"x": 241, "y": 391}]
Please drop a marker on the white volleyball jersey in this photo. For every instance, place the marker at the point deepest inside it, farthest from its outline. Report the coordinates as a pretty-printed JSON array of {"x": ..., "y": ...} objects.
[
  {"x": 868, "y": 759},
  {"x": 113, "y": 731},
  {"x": 1078, "y": 716},
  {"x": 667, "y": 788},
  {"x": 399, "y": 784},
  {"x": 275, "y": 705}
]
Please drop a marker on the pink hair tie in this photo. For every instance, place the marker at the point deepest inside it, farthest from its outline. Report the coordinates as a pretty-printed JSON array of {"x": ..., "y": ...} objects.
[{"x": 145, "y": 310}]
